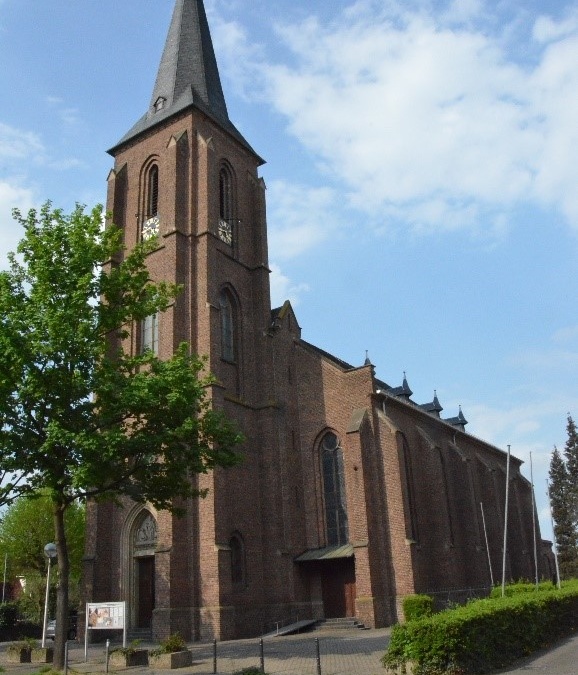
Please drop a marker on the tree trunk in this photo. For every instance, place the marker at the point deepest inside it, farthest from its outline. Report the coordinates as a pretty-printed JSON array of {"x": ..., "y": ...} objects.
[{"x": 62, "y": 587}]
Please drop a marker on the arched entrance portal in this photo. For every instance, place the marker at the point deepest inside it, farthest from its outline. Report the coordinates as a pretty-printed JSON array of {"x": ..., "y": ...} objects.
[{"x": 143, "y": 541}]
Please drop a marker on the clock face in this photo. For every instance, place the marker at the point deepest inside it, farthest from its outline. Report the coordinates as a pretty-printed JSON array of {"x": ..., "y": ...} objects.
[
  {"x": 225, "y": 232},
  {"x": 150, "y": 228}
]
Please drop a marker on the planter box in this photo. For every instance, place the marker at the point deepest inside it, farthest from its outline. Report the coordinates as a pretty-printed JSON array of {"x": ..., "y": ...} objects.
[
  {"x": 21, "y": 655},
  {"x": 138, "y": 657},
  {"x": 173, "y": 660},
  {"x": 42, "y": 655}
]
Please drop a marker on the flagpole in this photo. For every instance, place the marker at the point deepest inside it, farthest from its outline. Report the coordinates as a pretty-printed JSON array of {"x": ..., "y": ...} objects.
[
  {"x": 487, "y": 545},
  {"x": 534, "y": 521},
  {"x": 506, "y": 524}
]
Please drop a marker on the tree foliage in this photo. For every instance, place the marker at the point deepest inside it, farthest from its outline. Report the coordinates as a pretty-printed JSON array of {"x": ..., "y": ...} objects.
[
  {"x": 564, "y": 501},
  {"x": 27, "y": 526},
  {"x": 81, "y": 415}
]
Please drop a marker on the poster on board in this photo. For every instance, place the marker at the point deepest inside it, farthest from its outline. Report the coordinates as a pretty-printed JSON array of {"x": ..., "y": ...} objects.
[{"x": 105, "y": 615}]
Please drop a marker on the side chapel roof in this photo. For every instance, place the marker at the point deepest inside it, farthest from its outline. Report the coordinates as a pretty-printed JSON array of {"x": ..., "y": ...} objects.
[{"x": 188, "y": 76}]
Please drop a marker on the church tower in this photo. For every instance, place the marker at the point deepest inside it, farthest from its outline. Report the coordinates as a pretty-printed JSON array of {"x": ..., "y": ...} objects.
[{"x": 184, "y": 173}]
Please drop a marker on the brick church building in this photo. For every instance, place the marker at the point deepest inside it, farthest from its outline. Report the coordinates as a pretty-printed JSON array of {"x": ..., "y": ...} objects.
[{"x": 351, "y": 495}]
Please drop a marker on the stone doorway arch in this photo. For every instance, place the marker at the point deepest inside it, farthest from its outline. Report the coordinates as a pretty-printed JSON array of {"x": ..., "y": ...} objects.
[{"x": 140, "y": 542}]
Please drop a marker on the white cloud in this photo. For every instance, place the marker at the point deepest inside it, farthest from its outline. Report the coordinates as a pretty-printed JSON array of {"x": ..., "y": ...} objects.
[
  {"x": 12, "y": 196},
  {"x": 299, "y": 218},
  {"x": 17, "y": 145},
  {"x": 282, "y": 288},
  {"x": 430, "y": 113},
  {"x": 547, "y": 29}
]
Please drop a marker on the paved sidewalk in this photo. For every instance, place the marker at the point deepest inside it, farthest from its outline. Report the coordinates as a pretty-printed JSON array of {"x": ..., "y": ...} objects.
[
  {"x": 342, "y": 652},
  {"x": 562, "y": 659}
]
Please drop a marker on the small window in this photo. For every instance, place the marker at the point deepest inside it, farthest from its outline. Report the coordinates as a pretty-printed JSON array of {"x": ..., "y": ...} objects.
[
  {"x": 237, "y": 560},
  {"x": 160, "y": 103},
  {"x": 227, "y": 327},
  {"x": 150, "y": 334}
]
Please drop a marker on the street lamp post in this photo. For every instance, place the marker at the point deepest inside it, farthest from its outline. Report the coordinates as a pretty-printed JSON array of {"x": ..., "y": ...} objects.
[{"x": 50, "y": 553}]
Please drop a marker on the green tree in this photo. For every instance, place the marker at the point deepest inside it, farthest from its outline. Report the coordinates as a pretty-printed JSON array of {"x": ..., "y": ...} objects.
[
  {"x": 571, "y": 459},
  {"x": 80, "y": 415},
  {"x": 564, "y": 501},
  {"x": 27, "y": 526}
]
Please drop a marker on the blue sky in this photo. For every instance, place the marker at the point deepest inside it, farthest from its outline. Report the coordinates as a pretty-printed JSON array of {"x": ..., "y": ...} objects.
[{"x": 422, "y": 176}]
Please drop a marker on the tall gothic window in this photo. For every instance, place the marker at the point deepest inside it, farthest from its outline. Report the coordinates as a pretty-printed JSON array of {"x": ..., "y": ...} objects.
[
  {"x": 237, "y": 559},
  {"x": 227, "y": 326},
  {"x": 409, "y": 496},
  {"x": 149, "y": 337},
  {"x": 336, "y": 524}
]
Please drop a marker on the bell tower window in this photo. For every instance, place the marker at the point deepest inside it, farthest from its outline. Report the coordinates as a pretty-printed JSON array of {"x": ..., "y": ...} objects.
[
  {"x": 226, "y": 218},
  {"x": 151, "y": 222},
  {"x": 153, "y": 192}
]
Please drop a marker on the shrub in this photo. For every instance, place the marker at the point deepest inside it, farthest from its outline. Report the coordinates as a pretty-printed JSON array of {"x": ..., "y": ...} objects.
[
  {"x": 174, "y": 643},
  {"x": 417, "y": 606},
  {"x": 128, "y": 650},
  {"x": 485, "y": 634}
]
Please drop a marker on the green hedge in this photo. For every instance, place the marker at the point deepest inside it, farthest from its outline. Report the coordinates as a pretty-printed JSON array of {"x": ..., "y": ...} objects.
[
  {"x": 521, "y": 587},
  {"x": 484, "y": 634},
  {"x": 417, "y": 606}
]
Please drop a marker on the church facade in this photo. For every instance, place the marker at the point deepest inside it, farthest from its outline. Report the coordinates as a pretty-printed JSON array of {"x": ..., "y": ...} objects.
[{"x": 351, "y": 495}]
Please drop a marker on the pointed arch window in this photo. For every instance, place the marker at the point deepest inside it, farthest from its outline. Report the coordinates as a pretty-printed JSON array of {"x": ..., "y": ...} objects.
[
  {"x": 336, "y": 521},
  {"x": 237, "y": 560},
  {"x": 409, "y": 495},
  {"x": 228, "y": 332}
]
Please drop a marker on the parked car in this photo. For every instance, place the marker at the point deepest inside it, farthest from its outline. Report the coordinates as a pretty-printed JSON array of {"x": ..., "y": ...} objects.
[{"x": 72, "y": 626}]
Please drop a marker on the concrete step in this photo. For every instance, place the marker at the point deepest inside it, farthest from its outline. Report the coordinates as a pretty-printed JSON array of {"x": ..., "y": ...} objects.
[{"x": 345, "y": 623}]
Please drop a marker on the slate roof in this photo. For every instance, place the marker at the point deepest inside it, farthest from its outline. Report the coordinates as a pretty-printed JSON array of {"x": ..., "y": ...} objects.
[{"x": 188, "y": 76}]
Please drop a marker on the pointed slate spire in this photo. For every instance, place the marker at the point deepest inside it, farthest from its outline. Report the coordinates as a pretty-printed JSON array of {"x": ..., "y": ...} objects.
[
  {"x": 367, "y": 361},
  {"x": 189, "y": 61},
  {"x": 188, "y": 75}
]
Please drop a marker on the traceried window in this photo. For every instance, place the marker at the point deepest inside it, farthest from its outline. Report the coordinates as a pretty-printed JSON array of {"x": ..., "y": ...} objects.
[
  {"x": 336, "y": 524},
  {"x": 237, "y": 560},
  {"x": 227, "y": 326},
  {"x": 149, "y": 337}
]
